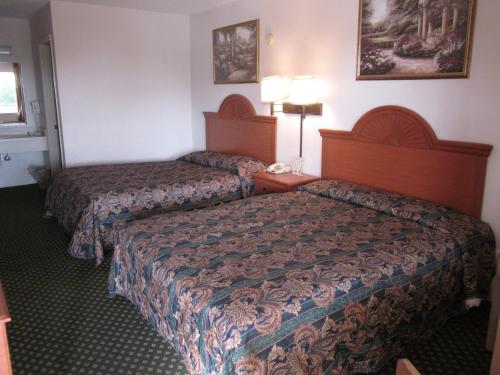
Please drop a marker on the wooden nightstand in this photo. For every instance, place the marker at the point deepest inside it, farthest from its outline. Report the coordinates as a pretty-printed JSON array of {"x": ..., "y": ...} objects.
[{"x": 266, "y": 183}]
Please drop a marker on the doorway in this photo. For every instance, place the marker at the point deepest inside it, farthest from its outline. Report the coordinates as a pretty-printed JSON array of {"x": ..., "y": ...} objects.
[{"x": 51, "y": 108}]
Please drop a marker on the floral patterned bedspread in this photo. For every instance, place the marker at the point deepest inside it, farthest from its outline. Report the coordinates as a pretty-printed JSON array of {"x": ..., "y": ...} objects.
[
  {"x": 330, "y": 279},
  {"x": 88, "y": 201}
]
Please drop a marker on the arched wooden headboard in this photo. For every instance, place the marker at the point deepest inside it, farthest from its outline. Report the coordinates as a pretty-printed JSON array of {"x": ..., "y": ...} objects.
[
  {"x": 395, "y": 149},
  {"x": 237, "y": 129}
]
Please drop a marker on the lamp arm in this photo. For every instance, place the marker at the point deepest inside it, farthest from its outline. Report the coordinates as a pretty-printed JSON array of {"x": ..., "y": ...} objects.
[
  {"x": 273, "y": 110},
  {"x": 302, "y": 118}
]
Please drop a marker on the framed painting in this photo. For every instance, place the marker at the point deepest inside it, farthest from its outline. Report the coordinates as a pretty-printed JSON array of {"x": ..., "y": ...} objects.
[
  {"x": 414, "y": 39},
  {"x": 236, "y": 53}
]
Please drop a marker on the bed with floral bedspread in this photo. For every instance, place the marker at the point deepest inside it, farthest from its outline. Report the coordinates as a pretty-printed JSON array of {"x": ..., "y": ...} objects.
[
  {"x": 88, "y": 201},
  {"x": 329, "y": 279}
]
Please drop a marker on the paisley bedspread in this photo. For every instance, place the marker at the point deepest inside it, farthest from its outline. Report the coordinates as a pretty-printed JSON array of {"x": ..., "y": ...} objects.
[
  {"x": 330, "y": 279},
  {"x": 89, "y": 201}
]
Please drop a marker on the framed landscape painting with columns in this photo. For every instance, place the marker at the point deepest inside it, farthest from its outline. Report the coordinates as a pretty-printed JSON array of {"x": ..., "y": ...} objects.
[{"x": 412, "y": 39}]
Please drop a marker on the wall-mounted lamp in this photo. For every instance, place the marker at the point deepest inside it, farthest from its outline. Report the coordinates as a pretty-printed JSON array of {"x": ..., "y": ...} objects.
[
  {"x": 303, "y": 100},
  {"x": 5, "y": 50},
  {"x": 273, "y": 89}
]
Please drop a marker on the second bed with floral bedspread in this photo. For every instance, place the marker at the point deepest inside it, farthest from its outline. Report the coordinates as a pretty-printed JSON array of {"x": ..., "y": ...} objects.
[
  {"x": 330, "y": 279},
  {"x": 88, "y": 201}
]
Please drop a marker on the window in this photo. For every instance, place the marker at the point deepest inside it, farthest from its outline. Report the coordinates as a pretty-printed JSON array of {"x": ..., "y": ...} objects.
[{"x": 11, "y": 97}]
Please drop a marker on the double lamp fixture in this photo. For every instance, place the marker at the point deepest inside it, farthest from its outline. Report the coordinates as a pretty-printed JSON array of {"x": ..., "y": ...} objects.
[{"x": 298, "y": 96}]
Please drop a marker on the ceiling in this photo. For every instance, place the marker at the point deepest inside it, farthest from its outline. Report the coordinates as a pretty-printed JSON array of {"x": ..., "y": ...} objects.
[{"x": 26, "y": 8}]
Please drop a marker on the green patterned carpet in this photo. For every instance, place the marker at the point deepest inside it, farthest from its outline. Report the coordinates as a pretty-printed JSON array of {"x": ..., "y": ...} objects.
[{"x": 64, "y": 323}]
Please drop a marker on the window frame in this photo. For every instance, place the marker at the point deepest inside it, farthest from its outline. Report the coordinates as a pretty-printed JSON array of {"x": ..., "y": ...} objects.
[{"x": 20, "y": 116}]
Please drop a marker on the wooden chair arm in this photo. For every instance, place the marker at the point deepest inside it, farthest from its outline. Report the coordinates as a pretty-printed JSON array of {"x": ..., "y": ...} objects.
[
  {"x": 5, "y": 365},
  {"x": 4, "y": 311},
  {"x": 405, "y": 367}
]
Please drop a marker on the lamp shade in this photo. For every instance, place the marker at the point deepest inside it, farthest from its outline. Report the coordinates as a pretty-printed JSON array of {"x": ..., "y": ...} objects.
[
  {"x": 304, "y": 90},
  {"x": 273, "y": 89}
]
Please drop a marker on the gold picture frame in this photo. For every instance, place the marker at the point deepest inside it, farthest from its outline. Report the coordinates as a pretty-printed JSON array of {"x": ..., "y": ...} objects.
[
  {"x": 236, "y": 53},
  {"x": 423, "y": 39}
]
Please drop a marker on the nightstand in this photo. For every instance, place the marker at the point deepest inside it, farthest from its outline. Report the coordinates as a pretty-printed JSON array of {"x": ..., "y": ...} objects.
[{"x": 266, "y": 183}]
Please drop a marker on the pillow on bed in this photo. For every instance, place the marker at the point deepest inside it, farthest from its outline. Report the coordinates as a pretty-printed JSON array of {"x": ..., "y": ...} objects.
[
  {"x": 424, "y": 212},
  {"x": 362, "y": 195},
  {"x": 243, "y": 166}
]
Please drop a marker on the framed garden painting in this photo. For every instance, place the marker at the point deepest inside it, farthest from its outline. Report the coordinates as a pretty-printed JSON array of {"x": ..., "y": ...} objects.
[
  {"x": 411, "y": 39},
  {"x": 236, "y": 53}
]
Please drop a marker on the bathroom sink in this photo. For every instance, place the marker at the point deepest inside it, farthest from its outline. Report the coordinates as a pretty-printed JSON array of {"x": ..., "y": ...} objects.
[{"x": 13, "y": 143}]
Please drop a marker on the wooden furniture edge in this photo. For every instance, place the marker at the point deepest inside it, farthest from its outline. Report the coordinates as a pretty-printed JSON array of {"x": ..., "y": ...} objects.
[
  {"x": 432, "y": 142},
  {"x": 4, "y": 311},
  {"x": 471, "y": 148},
  {"x": 236, "y": 128},
  {"x": 258, "y": 118},
  {"x": 405, "y": 367},
  {"x": 274, "y": 178},
  {"x": 393, "y": 148},
  {"x": 5, "y": 364}
]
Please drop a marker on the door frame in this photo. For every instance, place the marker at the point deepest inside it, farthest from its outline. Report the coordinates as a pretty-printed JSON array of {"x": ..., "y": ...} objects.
[{"x": 49, "y": 83}]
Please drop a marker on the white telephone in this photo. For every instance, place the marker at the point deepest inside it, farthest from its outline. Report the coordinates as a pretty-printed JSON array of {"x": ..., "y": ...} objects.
[{"x": 278, "y": 168}]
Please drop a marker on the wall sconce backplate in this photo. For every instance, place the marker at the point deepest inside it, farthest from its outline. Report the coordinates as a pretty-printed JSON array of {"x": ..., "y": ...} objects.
[{"x": 311, "y": 109}]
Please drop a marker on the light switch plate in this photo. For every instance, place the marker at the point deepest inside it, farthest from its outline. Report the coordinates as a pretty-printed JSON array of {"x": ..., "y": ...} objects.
[{"x": 36, "y": 107}]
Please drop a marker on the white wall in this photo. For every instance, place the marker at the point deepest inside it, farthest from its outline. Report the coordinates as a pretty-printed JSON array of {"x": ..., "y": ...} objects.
[
  {"x": 40, "y": 29},
  {"x": 124, "y": 83},
  {"x": 16, "y": 33},
  {"x": 319, "y": 37}
]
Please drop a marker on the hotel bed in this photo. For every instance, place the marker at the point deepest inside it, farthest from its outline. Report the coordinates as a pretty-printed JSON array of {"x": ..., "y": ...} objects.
[
  {"x": 330, "y": 279},
  {"x": 89, "y": 201}
]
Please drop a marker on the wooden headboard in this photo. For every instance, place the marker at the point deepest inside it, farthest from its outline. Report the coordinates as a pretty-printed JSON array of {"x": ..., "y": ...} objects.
[
  {"x": 236, "y": 129},
  {"x": 394, "y": 149}
]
